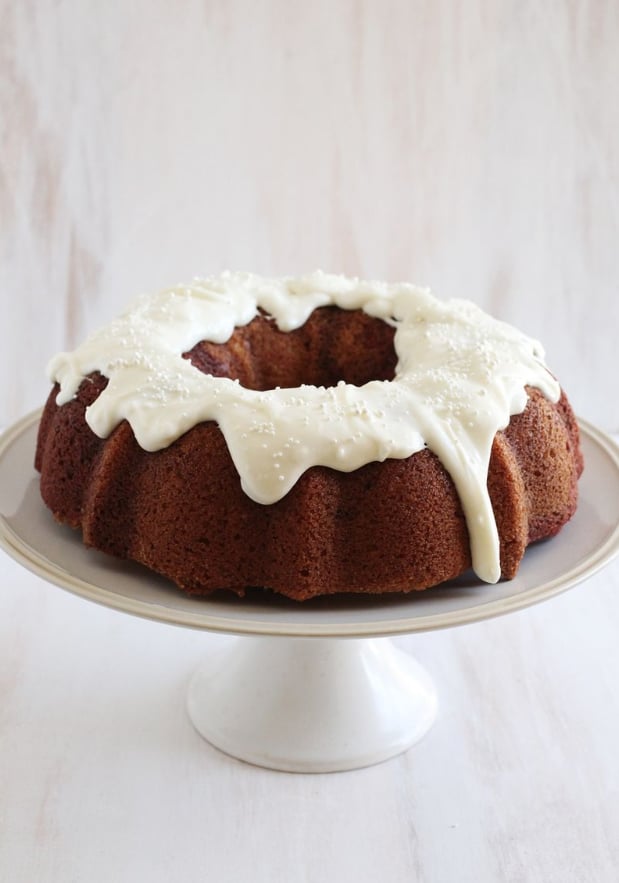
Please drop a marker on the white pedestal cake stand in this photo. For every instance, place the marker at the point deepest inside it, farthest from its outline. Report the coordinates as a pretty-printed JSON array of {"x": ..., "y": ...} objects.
[{"x": 315, "y": 687}]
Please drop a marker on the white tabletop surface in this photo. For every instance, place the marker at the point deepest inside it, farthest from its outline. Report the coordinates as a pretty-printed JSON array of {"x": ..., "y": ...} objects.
[{"x": 470, "y": 145}]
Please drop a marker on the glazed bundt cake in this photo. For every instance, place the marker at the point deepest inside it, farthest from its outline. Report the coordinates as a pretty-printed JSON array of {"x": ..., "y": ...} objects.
[{"x": 308, "y": 436}]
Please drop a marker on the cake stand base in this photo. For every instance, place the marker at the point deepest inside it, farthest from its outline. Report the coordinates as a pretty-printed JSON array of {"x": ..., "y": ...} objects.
[{"x": 311, "y": 705}]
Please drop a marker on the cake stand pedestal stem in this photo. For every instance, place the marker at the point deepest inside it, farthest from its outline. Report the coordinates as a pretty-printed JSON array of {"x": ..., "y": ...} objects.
[{"x": 311, "y": 704}]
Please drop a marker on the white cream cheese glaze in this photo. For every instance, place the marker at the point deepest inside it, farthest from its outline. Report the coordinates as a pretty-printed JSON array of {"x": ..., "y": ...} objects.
[{"x": 460, "y": 376}]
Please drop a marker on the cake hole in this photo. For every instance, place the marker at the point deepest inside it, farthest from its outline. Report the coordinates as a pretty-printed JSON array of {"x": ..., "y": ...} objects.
[{"x": 333, "y": 345}]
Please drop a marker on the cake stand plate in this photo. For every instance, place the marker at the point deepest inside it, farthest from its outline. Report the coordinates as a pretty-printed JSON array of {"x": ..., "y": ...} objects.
[{"x": 310, "y": 687}]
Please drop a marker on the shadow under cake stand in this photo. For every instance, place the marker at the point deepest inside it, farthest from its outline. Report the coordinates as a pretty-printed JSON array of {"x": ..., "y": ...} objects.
[{"x": 314, "y": 687}]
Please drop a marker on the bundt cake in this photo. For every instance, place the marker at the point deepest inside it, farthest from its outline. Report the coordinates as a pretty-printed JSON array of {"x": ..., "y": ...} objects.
[{"x": 308, "y": 436}]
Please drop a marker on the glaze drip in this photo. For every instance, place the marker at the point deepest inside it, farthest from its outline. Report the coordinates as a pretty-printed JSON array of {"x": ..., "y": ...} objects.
[{"x": 460, "y": 376}]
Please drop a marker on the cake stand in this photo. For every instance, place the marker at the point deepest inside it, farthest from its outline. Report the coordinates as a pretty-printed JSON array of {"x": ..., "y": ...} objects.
[{"x": 312, "y": 687}]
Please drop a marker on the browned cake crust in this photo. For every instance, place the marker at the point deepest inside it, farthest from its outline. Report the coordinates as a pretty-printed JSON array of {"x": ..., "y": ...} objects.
[{"x": 387, "y": 527}]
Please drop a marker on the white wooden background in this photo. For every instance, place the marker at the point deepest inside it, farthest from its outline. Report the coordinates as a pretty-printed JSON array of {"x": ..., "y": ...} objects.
[{"x": 472, "y": 146}]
